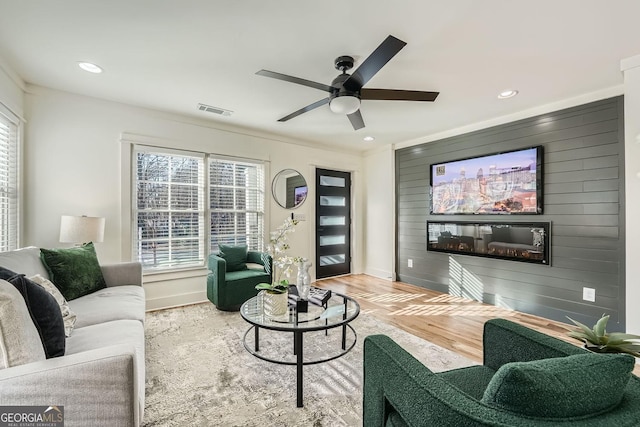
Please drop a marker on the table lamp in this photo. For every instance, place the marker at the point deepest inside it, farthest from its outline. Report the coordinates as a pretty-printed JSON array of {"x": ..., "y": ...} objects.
[{"x": 81, "y": 229}]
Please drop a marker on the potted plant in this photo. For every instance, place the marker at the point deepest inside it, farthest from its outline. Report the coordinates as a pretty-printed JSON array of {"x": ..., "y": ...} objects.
[
  {"x": 274, "y": 295},
  {"x": 599, "y": 341}
]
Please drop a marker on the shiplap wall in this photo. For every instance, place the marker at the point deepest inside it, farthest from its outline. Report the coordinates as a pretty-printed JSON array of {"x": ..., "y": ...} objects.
[{"x": 583, "y": 200}]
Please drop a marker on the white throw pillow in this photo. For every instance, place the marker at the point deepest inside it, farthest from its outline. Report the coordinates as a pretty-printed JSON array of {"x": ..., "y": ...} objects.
[
  {"x": 19, "y": 339},
  {"x": 68, "y": 316},
  {"x": 254, "y": 266}
]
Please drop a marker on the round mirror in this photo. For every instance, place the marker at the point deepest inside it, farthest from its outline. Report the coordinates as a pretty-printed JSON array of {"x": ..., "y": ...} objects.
[{"x": 289, "y": 188}]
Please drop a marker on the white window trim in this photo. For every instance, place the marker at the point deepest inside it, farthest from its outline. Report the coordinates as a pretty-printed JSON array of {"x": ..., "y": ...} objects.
[
  {"x": 17, "y": 121},
  {"x": 216, "y": 157},
  {"x": 129, "y": 144},
  {"x": 202, "y": 232}
]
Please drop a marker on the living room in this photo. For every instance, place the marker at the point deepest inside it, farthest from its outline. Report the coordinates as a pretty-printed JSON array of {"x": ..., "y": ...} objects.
[{"x": 77, "y": 141}]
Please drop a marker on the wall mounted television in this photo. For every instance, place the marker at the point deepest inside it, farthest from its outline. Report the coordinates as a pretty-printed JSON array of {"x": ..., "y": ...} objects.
[
  {"x": 299, "y": 194},
  {"x": 502, "y": 183},
  {"x": 516, "y": 241}
]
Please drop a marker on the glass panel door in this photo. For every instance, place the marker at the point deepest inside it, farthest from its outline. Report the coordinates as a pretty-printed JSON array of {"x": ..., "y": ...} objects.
[{"x": 333, "y": 221}]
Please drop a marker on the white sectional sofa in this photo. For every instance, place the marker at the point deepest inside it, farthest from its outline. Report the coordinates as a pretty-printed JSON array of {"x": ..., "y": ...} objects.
[{"x": 100, "y": 379}]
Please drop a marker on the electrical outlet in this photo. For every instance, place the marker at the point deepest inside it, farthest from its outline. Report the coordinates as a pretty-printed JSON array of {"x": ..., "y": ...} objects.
[
  {"x": 410, "y": 263},
  {"x": 589, "y": 294}
]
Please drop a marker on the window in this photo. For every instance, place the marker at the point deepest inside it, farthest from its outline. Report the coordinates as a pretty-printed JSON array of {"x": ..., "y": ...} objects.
[
  {"x": 236, "y": 196},
  {"x": 170, "y": 219},
  {"x": 168, "y": 209},
  {"x": 9, "y": 127}
]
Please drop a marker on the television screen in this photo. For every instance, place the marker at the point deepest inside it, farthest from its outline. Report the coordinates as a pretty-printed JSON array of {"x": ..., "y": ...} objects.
[
  {"x": 502, "y": 183},
  {"x": 516, "y": 241},
  {"x": 299, "y": 194}
]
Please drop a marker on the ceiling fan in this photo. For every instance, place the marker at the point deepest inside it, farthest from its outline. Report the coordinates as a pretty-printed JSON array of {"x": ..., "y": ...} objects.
[{"x": 346, "y": 91}]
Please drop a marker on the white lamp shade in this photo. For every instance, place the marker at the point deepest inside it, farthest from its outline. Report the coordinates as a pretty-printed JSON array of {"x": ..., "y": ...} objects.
[
  {"x": 81, "y": 229},
  {"x": 344, "y": 104}
]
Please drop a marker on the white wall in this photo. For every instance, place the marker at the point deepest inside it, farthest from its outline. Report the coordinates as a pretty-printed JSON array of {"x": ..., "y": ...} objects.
[
  {"x": 631, "y": 69},
  {"x": 76, "y": 158},
  {"x": 11, "y": 90},
  {"x": 379, "y": 216}
]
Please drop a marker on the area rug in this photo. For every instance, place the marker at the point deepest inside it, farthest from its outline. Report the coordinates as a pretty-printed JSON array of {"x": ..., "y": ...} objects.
[{"x": 199, "y": 373}]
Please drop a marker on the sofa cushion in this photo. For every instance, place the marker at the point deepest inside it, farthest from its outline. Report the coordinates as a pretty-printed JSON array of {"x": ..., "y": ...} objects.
[
  {"x": 75, "y": 271},
  {"x": 472, "y": 380},
  {"x": 19, "y": 339},
  {"x": 573, "y": 386},
  {"x": 113, "y": 303},
  {"x": 127, "y": 332},
  {"x": 68, "y": 316},
  {"x": 25, "y": 261},
  {"x": 44, "y": 310},
  {"x": 235, "y": 256},
  {"x": 108, "y": 333},
  {"x": 245, "y": 274}
]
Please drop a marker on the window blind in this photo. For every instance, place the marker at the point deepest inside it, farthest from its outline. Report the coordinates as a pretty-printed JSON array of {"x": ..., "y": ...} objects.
[
  {"x": 168, "y": 208},
  {"x": 236, "y": 202},
  {"x": 9, "y": 127}
]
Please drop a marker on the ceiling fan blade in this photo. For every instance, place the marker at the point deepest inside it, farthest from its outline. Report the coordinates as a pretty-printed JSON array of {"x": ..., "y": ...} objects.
[
  {"x": 296, "y": 80},
  {"x": 356, "y": 120},
  {"x": 383, "y": 53},
  {"x": 305, "y": 109},
  {"x": 398, "y": 95}
]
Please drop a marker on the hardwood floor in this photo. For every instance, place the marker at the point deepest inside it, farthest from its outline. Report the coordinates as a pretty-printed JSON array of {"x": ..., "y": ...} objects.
[{"x": 451, "y": 322}]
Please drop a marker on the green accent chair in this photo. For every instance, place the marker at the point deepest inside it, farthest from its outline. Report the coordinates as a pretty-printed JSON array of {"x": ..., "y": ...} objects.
[
  {"x": 228, "y": 290},
  {"x": 527, "y": 379}
]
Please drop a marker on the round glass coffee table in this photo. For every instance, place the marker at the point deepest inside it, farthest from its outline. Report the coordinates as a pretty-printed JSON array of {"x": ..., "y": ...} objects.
[{"x": 337, "y": 312}]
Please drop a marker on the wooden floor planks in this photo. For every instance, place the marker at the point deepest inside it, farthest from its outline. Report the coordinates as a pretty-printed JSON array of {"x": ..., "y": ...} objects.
[{"x": 451, "y": 322}]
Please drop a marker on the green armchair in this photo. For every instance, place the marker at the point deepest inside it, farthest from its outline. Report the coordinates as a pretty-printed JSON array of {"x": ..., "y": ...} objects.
[
  {"x": 229, "y": 289},
  {"x": 527, "y": 379}
]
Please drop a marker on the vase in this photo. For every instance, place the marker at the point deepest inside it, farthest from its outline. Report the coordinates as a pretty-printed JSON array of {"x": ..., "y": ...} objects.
[
  {"x": 275, "y": 304},
  {"x": 303, "y": 280}
]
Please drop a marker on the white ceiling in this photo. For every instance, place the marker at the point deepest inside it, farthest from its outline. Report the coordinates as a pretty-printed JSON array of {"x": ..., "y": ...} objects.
[{"x": 171, "y": 55}]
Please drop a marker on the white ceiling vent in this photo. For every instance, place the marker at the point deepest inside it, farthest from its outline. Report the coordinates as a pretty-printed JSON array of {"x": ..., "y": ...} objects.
[{"x": 214, "y": 110}]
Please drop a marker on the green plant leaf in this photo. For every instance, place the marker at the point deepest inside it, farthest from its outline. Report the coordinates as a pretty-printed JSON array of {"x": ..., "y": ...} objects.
[
  {"x": 590, "y": 335},
  {"x": 632, "y": 349},
  {"x": 578, "y": 335},
  {"x": 263, "y": 286},
  {"x": 635, "y": 347},
  {"x": 620, "y": 336},
  {"x": 600, "y": 329}
]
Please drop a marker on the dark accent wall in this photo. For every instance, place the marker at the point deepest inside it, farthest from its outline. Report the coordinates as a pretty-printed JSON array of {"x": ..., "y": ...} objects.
[{"x": 583, "y": 200}]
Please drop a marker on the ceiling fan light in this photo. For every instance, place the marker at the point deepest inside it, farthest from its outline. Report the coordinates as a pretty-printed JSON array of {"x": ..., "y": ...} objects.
[{"x": 345, "y": 104}]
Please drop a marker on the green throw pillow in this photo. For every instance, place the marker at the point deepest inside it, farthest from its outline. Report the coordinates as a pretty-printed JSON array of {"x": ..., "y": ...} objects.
[
  {"x": 581, "y": 385},
  {"x": 235, "y": 256},
  {"x": 75, "y": 271}
]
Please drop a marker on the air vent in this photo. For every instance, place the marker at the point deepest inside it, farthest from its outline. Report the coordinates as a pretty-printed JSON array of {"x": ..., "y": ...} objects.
[{"x": 214, "y": 110}]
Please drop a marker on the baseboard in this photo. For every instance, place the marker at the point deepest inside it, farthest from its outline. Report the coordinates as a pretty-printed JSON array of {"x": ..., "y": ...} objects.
[
  {"x": 176, "y": 300},
  {"x": 379, "y": 273}
]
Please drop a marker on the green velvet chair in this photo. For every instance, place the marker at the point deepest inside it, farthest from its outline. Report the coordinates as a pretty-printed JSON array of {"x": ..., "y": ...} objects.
[
  {"x": 527, "y": 379},
  {"x": 232, "y": 281}
]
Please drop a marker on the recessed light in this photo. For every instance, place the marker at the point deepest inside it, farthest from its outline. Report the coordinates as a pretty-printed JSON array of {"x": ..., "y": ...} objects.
[
  {"x": 88, "y": 66},
  {"x": 368, "y": 138},
  {"x": 509, "y": 93}
]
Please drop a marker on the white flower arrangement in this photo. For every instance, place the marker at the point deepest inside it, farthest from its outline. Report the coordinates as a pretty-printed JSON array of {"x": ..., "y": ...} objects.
[{"x": 282, "y": 263}]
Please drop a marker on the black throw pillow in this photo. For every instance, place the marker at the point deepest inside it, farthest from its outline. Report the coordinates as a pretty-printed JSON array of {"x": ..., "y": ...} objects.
[{"x": 44, "y": 310}]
